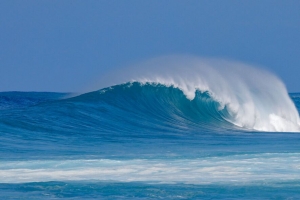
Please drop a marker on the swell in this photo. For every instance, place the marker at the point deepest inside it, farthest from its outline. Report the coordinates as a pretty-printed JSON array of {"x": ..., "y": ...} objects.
[{"x": 156, "y": 106}]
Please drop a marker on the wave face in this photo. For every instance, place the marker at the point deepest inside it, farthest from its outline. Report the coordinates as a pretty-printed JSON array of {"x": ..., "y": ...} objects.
[{"x": 155, "y": 106}]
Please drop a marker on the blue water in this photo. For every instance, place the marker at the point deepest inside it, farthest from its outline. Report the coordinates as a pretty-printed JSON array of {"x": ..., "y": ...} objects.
[{"x": 141, "y": 141}]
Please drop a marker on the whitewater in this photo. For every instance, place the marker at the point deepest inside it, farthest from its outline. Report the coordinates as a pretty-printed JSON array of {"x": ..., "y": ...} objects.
[{"x": 175, "y": 127}]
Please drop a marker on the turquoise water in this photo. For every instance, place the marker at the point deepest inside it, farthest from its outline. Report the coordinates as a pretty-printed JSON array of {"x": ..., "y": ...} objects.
[{"x": 142, "y": 141}]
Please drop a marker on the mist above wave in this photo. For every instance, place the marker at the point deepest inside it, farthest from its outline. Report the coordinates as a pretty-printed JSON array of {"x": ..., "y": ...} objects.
[{"x": 255, "y": 99}]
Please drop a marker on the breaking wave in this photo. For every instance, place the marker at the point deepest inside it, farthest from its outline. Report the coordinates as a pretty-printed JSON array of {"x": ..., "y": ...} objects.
[{"x": 214, "y": 90}]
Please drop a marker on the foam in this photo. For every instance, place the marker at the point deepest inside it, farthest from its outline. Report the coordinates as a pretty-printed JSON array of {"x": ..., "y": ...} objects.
[{"x": 245, "y": 169}]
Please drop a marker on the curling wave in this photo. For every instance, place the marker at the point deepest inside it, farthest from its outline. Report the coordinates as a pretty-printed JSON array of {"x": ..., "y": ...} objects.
[
  {"x": 239, "y": 94},
  {"x": 151, "y": 105}
]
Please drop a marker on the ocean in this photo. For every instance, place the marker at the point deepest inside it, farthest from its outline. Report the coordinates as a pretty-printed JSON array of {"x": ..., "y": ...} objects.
[{"x": 191, "y": 136}]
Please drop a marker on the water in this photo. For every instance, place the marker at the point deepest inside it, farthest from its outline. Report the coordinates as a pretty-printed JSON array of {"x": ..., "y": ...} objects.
[{"x": 153, "y": 138}]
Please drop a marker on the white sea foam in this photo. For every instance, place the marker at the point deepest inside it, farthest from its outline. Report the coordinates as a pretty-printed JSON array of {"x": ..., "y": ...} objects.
[
  {"x": 245, "y": 169},
  {"x": 254, "y": 98}
]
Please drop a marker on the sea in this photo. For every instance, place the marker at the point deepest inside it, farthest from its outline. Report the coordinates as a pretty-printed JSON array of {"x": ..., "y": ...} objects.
[{"x": 201, "y": 134}]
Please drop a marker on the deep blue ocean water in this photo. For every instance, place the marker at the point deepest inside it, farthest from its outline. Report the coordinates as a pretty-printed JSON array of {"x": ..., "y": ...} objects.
[{"x": 140, "y": 141}]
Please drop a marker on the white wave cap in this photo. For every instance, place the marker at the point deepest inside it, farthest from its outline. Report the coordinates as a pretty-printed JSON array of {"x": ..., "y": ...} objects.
[
  {"x": 246, "y": 169},
  {"x": 254, "y": 98}
]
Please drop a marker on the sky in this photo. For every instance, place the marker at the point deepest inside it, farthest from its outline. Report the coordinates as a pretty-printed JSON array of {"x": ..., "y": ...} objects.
[{"x": 66, "y": 45}]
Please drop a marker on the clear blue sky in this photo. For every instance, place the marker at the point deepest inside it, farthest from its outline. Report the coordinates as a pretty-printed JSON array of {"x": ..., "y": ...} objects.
[{"x": 63, "y": 45}]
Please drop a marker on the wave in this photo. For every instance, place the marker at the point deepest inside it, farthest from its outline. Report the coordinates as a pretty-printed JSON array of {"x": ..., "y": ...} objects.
[
  {"x": 163, "y": 95},
  {"x": 156, "y": 104},
  {"x": 228, "y": 92}
]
